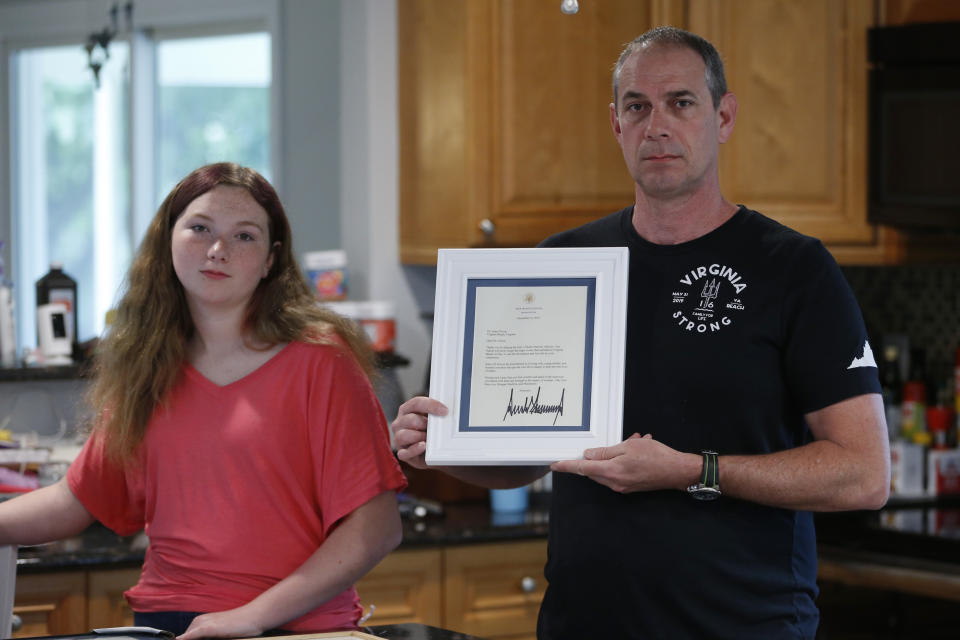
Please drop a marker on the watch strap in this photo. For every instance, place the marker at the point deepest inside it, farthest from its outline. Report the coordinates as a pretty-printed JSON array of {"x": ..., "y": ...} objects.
[
  {"x": 710, "y": 476},
  {"x": 708, "y": 488}
]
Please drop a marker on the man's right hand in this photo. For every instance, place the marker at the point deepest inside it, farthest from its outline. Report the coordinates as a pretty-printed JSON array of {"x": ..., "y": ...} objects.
[{"x": 410, "y": 429}]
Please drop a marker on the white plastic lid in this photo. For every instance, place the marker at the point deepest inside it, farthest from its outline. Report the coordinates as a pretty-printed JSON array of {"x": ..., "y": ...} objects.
[
  {"x": 376, "y": 310},
  {"x": 345, "y": 308},
  {"x": 325, "y": 259}
]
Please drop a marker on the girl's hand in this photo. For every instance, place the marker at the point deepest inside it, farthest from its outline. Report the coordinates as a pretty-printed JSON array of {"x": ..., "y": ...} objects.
[{"x": 235, "y": 623}]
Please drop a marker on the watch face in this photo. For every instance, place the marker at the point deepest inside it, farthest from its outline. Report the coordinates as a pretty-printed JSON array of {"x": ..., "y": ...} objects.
[{"x": 704, "y": 493}]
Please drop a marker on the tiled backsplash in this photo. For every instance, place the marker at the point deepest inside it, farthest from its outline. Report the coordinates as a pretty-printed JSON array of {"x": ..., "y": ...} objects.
[{"x": 922, "y": 302}]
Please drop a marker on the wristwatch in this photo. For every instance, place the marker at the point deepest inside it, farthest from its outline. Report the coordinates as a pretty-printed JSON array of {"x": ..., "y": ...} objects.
[{"x": 709, "y": 486}]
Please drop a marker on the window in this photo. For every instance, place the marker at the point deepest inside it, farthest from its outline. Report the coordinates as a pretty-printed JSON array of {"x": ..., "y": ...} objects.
[
  {"x": 72, "y": 148},
  {"x": 69, "y": 178},
  {"x": 213, "y": 104}
]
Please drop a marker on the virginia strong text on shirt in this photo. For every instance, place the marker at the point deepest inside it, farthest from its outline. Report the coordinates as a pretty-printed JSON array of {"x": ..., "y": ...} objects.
[{"x": 708, "y": 299}]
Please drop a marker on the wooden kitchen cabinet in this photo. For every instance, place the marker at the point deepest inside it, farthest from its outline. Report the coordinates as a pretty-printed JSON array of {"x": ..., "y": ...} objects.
[
  {"x": 798, "y": 151},
  {"x": 505, "y": 135},
  {"x": 906, "y": 11},
  {"x": 505, "y": 138},
  {"x": 489, "y": 590},
  {"x": 405, "y": 587},
  {"x": 51, "y": 603},
  {"x": 70, "y": 602},
  {"x": 495, "y": 590},
  {"x": 106, "y": 606},
  {"x": 492, "y": 590}
]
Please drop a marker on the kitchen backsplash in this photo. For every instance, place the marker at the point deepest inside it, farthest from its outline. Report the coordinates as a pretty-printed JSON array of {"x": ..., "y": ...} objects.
[{"x": 922, "y": 302}]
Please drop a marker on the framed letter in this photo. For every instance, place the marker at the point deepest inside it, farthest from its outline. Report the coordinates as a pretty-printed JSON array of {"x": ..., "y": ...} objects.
[{"x": 528, "y": 354}]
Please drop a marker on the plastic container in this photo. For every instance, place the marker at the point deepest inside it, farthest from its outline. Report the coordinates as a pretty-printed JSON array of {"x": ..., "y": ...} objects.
[
  {"x": 8, "y": 326},
  {"x": 8, "y": 332},
  {"x": 508, "y": 500},
  {"x": 375, "y": 317},
  {"x": 327, "y": 273},
  {"x": 378, "y": 320},
  {"x": 346, "y": 308},
  {"x": 58, "y": 287},
  {"x": 53, "y": 338}
]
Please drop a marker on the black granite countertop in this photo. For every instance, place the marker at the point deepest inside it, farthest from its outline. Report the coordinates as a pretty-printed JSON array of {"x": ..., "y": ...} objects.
[
  {"x": 922, "y": 534},
  {"x": 904, "y": 533},
  {"x": 100, "y": 548},
  {"x": 95, "y": 548},
  {"x": 472, "y": 524}
]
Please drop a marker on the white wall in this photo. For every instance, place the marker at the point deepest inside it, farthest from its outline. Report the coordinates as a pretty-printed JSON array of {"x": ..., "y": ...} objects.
[
  {"x": 309, "y": 47},
  {"x": 369, "y": 177}
]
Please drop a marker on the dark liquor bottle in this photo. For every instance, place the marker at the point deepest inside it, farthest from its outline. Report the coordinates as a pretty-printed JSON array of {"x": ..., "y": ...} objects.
[
  {"x": 57, "y": 286},
  {"x": 891, "y": 386}
]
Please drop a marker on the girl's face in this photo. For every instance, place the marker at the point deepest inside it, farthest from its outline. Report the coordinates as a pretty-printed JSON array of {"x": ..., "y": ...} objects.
[{"x": 221, "y": 249}]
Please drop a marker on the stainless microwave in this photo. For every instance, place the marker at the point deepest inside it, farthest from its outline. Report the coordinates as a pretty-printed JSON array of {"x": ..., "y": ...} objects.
[{"x": 914, "y": 126}]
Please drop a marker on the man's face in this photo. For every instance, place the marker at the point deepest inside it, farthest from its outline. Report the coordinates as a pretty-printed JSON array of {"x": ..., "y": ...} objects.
[{"x": 665, "y": 122}]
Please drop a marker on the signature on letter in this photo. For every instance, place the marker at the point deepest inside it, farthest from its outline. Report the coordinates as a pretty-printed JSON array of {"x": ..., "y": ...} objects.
[{"x": 531, "y": 404}]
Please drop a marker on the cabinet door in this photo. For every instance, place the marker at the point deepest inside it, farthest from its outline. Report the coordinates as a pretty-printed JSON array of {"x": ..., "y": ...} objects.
[
  {"x": 495, "y": 590},
  {"x": 106, "y": 606},
  {"x": 504, "y": 129},
  {"x": 51, "y": 604},
  {"x": 905, "y": 11},
  {"x": 404, "y": 587},
  {"x": 798, "y": 151}
]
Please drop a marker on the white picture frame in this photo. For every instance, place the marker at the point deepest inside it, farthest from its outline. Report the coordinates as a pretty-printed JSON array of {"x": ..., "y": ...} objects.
[{"x": 537, "y": 335}]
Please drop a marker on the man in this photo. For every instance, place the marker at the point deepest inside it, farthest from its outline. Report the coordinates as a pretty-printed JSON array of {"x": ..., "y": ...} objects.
[{"x": 744, "y": 340}]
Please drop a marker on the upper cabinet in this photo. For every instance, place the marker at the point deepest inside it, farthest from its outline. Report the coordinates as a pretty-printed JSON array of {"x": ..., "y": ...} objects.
[
  {"x": 798, "y": 151},
  {"x": 906, "y": 11},
  {"x": 505, "y": 135}
]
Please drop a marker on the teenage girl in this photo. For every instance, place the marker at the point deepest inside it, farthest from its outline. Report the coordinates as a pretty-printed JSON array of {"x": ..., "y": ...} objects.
[{"x": 235, "y": 424}]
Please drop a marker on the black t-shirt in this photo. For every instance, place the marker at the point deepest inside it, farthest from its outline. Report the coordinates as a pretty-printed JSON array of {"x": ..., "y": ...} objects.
[{"x": 731, "y": 339}]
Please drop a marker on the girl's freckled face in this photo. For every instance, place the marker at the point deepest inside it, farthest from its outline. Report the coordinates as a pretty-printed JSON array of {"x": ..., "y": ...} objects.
[{"x": 220, "y": 246}]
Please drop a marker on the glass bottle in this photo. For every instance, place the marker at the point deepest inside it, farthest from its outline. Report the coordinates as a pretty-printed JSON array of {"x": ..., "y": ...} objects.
[{"x": 892, "y": 388}]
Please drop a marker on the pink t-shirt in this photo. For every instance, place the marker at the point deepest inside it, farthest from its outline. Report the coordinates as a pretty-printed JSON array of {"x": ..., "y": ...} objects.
[{"x": 236, "y": 486}]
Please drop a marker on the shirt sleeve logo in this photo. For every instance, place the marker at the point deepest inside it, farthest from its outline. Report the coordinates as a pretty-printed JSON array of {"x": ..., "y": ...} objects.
[
  {"x": 708, "y": 298},
  {"x": 865, "y": 359}
]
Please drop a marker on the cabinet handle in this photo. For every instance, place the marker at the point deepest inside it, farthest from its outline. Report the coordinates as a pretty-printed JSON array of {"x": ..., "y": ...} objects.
[
  {"x": 528, "y": 584},
  {"x": 16, "y": 623},
  {"x": 487, "y": 226}
]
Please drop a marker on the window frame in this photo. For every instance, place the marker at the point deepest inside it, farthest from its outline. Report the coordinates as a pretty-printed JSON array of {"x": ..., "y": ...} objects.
[{"x": 28, "y": 25}]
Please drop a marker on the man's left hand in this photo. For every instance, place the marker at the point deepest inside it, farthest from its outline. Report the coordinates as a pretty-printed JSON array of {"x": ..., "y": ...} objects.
[{"x": 639, "y": 463}]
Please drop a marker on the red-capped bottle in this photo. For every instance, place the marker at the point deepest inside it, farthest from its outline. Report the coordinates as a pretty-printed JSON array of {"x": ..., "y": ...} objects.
[
  {"x": 956, "y": 396},
  {"x": 938, "y": 424}
]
